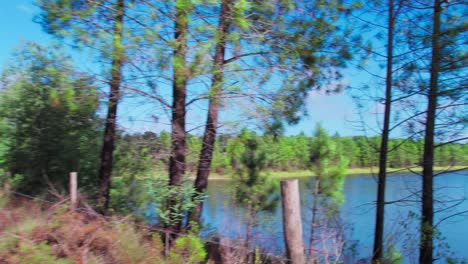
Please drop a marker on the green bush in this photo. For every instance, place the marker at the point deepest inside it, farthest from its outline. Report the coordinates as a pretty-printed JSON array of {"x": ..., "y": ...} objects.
[{"x": 187, "y": 249}]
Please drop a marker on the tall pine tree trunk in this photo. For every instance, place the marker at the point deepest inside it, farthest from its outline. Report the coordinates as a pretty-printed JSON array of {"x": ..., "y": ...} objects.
[
  {"x": 209, "y": 137},
  {"x": 427, "y": 216},
  {"x": 105, "y": 170},
  {"x": 380, "y": 210},
  {"x": 179, "y": 87}
]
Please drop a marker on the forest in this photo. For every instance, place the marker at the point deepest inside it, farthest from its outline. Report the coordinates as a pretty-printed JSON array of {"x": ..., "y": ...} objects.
[
  {"x": 221, "y": 85},
  {"x": 285, "y": 153}
]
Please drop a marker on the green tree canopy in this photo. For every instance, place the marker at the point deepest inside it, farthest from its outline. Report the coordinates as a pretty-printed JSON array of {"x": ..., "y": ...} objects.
[{"x": 47, "y": 114}]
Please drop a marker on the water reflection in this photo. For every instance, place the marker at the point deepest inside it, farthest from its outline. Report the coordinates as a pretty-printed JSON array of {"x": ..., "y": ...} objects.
[{"x": 357, "y": 214}]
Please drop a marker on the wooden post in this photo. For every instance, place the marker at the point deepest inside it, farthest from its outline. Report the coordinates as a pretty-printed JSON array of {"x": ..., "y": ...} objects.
[
  {"x": 292, "y": 224},
  {"x": 166, "y": 243},
  {"x": 6, "y": 185},
  {"x": 73, "y": 190}
]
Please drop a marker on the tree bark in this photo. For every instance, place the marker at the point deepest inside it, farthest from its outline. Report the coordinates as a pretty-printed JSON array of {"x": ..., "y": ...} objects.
[
  {"x": 292, "y": 224},
  {"x": 179, "y": 88},
  {"x": 427, "y": 216},
  {"x": 209, "y": 136},
  {"x": 105, "y": 170},
  {"x": 380, "y": 210}
]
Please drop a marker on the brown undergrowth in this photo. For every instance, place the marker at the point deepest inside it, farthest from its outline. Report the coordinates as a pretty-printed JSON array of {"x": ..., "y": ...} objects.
[{"x": 36, "y": 233}]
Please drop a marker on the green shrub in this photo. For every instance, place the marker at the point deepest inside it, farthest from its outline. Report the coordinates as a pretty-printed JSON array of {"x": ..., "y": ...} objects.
[{"x": 187, "y": 249}]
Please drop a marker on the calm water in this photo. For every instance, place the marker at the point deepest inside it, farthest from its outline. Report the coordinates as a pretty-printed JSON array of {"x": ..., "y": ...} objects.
[{"x": 357, "y": 214}]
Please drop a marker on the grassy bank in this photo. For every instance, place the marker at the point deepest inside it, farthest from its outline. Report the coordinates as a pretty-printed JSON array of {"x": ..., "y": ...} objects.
[
  {"x": 351, "y": 171},
  {"x": 35, "y": 233}
]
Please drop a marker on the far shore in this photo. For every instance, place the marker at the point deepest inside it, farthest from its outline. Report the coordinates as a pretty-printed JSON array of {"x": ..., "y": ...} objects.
[{"x": 350, "y": 172}]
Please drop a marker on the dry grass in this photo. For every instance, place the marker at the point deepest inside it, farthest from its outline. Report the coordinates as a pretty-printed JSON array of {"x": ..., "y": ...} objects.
[{"x": 36, "y": 234}]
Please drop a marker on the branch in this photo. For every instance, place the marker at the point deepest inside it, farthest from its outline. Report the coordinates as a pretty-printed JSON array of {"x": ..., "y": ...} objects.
[
  {"x": 245, "y": 55},
  {"x": 400, "y": 170},
  {"x": 407, "y": 95},
  {"x": 448, "y": 170},
  {"x": 450, "y": 142},
  {"x": 450, "y": 216},
  {"x": 197, "y": 99},
  {"x": 404, "y": 199},
  {"x": 406, "y": 120},
  {"x": 157, "y": 98}
]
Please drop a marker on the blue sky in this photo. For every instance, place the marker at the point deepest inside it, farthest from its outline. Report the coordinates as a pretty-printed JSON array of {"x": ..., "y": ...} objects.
[
  {"x": 17, "y": 27},
  {"x": 337, "y": 113}
]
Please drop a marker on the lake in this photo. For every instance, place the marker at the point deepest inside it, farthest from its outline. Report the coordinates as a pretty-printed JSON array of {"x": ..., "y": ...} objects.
[{"x": 357, "y": 215}]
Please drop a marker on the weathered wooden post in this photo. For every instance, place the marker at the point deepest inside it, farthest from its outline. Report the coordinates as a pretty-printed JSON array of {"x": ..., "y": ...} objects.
[
  {"x": 73, "y": 191},
  {"x": 292, "y": 224},
  {"x": 6, "y": 184}
]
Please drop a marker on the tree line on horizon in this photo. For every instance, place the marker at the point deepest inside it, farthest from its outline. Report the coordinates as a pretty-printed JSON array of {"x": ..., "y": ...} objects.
[{"x": 285, "y": 153}]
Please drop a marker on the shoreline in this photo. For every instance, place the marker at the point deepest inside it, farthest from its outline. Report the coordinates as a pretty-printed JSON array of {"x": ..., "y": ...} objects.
[{"x": 350, "y": 172}]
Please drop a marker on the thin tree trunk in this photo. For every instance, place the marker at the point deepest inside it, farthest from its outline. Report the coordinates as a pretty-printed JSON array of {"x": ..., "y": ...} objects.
[
  {"x": 427, "y": 217},
  {"x": 209, "y": 137},
  {"x": 248, "y": 233},
  {"x": 380, "y": 210},
  {"x": 313, "y": 225},
  {"x": 292, "y": 224},
  {"x": 179, "y": 87},
  {"x": 105, "y": 170}
]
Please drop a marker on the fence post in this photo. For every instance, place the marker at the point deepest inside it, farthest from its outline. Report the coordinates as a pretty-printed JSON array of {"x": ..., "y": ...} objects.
[
  {"x": 6, "y": 185},
  {"x": 166, "y": 243},
  {"x": 292, "y": 223},
  {"x": 73, "y": 190}
]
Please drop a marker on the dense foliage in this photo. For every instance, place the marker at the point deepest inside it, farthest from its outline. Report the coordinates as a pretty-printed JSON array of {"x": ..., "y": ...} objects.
[
  {"x": 285, "y": 153},
  {"x": 48, "y": 122}
]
